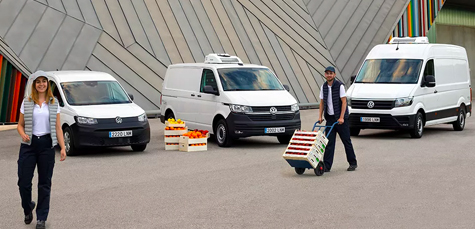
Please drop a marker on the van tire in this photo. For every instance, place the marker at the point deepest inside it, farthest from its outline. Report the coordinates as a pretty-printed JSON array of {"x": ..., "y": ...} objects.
[
  {"x": 221, "y": 134},
  {"x": 68, "y": 137},
  {"x": 418, "y": 129},
  {"x": 459, "y": 125},
  {"x": 354, "y": 131},
  {"x": 284, "y": 139},
  {"x": 139, "y": 148}
]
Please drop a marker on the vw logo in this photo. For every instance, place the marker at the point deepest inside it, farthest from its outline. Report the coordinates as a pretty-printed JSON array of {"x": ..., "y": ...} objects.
[
  {"x": 370, "y": 104},
  {"x": 273, "y": 110},
  {"x": 118, "y": 119}
]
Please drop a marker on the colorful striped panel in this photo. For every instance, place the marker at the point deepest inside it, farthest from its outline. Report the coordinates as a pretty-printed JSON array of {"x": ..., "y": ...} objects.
[
  {"x": 12, "y": 88},
  {"x": 417, "y": 19}
]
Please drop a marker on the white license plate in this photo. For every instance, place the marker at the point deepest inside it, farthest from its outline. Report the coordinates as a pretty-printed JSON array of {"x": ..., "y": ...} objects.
[
  {"x": 274, "y": 130},
  {"x": 369, "y": 119},
  {"x": 120, "y": 134}
]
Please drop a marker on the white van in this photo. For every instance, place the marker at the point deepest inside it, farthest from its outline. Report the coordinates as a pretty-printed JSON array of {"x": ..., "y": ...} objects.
[
  {"x": 96, "y": 111},
  {"x": 229, "y": 99},
  {"x": 410, "y": 84}
]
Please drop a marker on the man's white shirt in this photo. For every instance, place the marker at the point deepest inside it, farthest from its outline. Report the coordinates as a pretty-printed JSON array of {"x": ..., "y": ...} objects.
[{"x": 330, "y": 110}]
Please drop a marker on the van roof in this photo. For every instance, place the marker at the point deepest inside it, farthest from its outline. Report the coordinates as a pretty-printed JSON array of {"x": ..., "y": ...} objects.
[
  {"x": 71, "y": 76},
  {"x": 416, "y": 51},
  {"x": 215, "y": 66}
]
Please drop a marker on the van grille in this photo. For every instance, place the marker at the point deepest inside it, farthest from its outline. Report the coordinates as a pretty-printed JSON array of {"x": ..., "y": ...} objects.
[
  {"x": 269, "y": 117},
  {"x": 378, "y": 105},
  {"x": 267, "y": 108}
]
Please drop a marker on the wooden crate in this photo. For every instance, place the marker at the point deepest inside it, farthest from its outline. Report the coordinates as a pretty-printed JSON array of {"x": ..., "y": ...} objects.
[
  {"x": 171, "y": 147},
  {"x": 185, "y": 143},
  {"x": 174, "y": 125},
  {"x": 174, "y": 132}
]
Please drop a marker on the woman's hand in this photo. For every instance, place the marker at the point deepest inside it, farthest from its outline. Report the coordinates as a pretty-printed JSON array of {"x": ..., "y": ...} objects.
[
  {"x": 25, "y": 137},
  {"x": 63, "y": 155}
]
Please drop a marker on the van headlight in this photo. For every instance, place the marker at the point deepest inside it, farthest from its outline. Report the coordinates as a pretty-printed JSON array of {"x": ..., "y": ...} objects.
[
  {"x": 240, "y": 108},
  {"x": 403, "y": 102},
  {"x": 348, "y": 101},
  {"x": 142, "y": 117},
  {"x": 294, "y": 107},
  {"x": 86, "y": 120}
]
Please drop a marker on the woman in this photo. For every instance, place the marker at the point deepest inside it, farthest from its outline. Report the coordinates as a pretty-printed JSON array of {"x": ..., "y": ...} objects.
[{"x": 40, "y": 129}]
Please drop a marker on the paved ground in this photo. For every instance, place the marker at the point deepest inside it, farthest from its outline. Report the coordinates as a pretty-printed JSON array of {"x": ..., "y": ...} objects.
[{"x": 400, "y": 183}]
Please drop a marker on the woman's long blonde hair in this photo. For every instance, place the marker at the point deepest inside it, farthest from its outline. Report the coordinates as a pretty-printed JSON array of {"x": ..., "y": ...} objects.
[{"x": 34, "y": 93}]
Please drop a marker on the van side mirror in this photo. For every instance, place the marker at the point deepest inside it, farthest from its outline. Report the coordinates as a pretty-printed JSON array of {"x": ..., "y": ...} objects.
[
  {"x": 429, "y": 81},
  {"x": 131, "y": 97},
  {"x": 210, "y": 90},
  {"x": 286, "y": 87},
  {"x": 352, "y": 79}
]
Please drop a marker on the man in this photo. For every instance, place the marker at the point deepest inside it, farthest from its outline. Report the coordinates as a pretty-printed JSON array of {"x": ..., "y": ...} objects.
[{"x": 334, "y": 108}]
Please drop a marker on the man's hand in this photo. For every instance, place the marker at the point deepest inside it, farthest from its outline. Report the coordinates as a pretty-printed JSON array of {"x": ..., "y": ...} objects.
[
  {"x": 63, "y": 155},
  {"x": 320, "y": 120},
  {"x": 341, "y": 121}
]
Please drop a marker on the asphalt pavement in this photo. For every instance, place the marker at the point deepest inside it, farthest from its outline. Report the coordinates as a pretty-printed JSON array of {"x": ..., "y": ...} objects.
[{"x": 400, "y": 183}]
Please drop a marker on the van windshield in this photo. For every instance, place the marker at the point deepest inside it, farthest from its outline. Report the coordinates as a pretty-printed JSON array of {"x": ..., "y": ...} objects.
[
  {"x": 94, "y": 93},
  {"x": 248, "y": 79},
  {"x": 399, "y": 71}
]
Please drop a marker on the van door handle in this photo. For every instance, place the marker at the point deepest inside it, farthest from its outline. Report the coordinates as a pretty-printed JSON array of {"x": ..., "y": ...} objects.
[
  {"x": 192, "y": 94},
  {"x": 199, "y": 96},
  {"x": 435, "y": 91}
]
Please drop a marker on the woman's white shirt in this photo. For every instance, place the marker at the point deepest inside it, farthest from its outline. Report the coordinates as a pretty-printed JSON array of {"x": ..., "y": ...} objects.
[{"x": 41, "y": 125}]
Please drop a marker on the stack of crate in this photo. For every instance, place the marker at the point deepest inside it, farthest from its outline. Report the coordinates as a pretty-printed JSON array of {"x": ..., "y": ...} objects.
[
  {"x": 188, "y": 144},
  {"x": 172, "y": 134},
  {"x": 306, "y": 149}
]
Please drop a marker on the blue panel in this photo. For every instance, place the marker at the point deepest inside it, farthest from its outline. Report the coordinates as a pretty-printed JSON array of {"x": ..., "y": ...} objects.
[{"x": 300, "y": 164}]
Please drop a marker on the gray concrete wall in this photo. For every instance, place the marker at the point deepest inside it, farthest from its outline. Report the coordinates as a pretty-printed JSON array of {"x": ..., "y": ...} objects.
[{"x": 135, "y": 40}]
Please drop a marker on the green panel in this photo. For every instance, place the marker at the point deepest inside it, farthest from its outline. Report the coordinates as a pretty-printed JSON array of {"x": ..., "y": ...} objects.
[
  {"x": 452, "y": 15},
  {"x": 6, "y": 93},
  {"x": 2, "y": 84},
  {"x": 11, "y": 96},
  {"x": 432, "y": 34}
]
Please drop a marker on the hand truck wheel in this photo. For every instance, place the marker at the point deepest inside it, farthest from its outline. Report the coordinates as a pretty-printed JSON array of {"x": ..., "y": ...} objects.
[
  {"x": 299, "y": 171},
  {"x": 320, "y": 170}
]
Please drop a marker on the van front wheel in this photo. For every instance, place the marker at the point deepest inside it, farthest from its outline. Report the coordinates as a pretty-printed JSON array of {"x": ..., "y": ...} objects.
[
  {"x": 284, "y": 139},
  {"x": 418, "y": 129},
  {"x": 139, "y": 148},
  {"x": 221, "y": 134},
  {"x": 69, "y": 142},
  {"x": 459, "y": 125}
]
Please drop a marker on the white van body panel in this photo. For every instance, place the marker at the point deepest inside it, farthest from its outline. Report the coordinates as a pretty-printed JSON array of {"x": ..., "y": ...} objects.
[
  {"x": 109, "y": 111},
  {"x": 260, "y": 98}
]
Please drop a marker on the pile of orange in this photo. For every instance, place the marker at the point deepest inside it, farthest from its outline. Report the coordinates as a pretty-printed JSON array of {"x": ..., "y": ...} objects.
[
  {"x": 200, "y": 144},
  {"x": 305, "y": 135},
  {"x": 300, "y": 144},
  {"x": 172, "y": 144},
  {"x": 172, "y": 136},
  {"x": 174, "y": 128},
  {"x": 194, "y": 134}
]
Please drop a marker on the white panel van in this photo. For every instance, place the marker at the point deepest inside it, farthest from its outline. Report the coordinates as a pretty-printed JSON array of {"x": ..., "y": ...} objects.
[
  {"x": 96, "y": 111},
  {"x": 409, "y": 84},
  {"x": 229, "y": 99}
]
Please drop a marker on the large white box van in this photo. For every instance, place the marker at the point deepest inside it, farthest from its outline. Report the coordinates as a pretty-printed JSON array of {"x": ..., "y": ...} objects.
[
  {"x": 96, "y": 111},
  {"x": 229, "y": 99},
  {"x": 410, "y": 84}
]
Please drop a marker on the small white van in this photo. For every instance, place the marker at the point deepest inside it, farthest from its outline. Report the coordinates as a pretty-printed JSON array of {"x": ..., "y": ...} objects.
[
  {"x": 409, "y": 84},
  {"x": 96, "y": 111},
  {"x": 229, "y": 99}
]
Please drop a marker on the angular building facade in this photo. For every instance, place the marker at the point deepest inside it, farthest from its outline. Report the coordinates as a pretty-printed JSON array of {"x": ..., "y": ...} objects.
[{"x": 135, "y": 40}]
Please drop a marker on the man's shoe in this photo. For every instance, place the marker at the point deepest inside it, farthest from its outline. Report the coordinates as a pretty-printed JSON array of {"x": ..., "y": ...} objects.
[
  {"x": 40, "y": 224},
  {"x": 29, "y": 217},
  {"x": 327, "y": 170},
  {"x": 352, "y": 168}
]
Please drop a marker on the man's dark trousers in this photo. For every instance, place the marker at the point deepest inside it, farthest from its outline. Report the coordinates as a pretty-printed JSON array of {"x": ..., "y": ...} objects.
[
  {"x": 41, "y": 154},
  {"x": 344, "y": 133}
]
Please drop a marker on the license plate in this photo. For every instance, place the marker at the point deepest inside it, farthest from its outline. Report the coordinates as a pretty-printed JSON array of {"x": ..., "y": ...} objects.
[
  {"x": 369, "y": 119},
  {"x": 274, "y": 130},
  {"x": 120, "y": 134}
]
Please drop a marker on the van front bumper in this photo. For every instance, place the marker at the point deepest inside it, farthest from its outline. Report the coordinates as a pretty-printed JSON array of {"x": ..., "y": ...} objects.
[
  {"x": 245, "y": 125},
  {"x": 387, "y": 121},
  {"x": 98, "y": 134}
]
